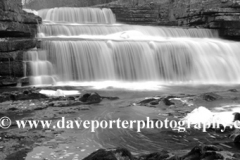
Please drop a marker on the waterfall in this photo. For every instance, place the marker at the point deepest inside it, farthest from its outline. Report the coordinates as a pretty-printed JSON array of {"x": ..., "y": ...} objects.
[
  {"x": 87, "y": 45},
  {"x": 78, "y": 15}
]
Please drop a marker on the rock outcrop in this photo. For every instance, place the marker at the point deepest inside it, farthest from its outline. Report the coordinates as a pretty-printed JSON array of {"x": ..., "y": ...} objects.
[
  {"x": 200, "y": 152},
  {"x": 222, "y": 15},
  {"x": 144, "y": 12},
  {"x": 17, "y": 34}
]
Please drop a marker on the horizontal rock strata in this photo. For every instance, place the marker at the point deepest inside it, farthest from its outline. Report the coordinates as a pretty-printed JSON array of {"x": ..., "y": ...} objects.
[{"x": 17, "y": 34}]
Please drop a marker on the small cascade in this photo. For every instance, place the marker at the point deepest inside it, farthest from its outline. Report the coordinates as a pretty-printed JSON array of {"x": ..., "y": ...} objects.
[
  {"x": 78, "y": 15},
  {"x": 87, "y": 45},
  {"x": 41, "y": 70},
  {"x": 71, "y": 30}
]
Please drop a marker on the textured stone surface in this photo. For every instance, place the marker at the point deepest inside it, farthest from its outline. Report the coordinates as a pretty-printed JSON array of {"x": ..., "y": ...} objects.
[
  {"x": 12, "y": 68},
  {"x": 11, "y": 64},
  {"x": 142, "y": 12},
  {"x": 9, "y": 45},
  {"x": 17, "y": 34},
  {"x": 222, "y": 15},
  {"x": 40, "y": 4}
]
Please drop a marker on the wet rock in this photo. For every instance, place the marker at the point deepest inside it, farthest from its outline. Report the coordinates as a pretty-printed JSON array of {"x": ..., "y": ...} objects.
[
  {"x": 123, "y": 153},
  {"x": 154, "y": 102},
  {"x": 146, "y": 101},
  {"x": 210, "y": 97},
  {"x": 12, "y": 97},
  {"x": 101, "y": 154},
  {"x": 167, "y": 101},
  {"x": 84, "y": 97},
  {"x": 71, "y": 98},
  {"x": 117, "y": 154},
  {"x": 19, "y": 155},
  {"x": 203, "y": 152},
  {"x": 236, "y": 117},
  {"x": 163, "y": 155},
  {"x": 111, "y": 98},
  {"x": 235, "y": 136},
  {"x": 63, "y": 103},
  {"x": 7, "y": 81},
  {"x": 233, "y": 90},
  {"x": 236, "y": 156},
  {"x": 92, "y": 98},
  {"x": 29, "y": 96}
]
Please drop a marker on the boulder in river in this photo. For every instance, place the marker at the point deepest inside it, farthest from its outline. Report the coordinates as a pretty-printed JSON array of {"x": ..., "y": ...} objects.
[
  {"x": 91, "y": 98},
  {"x": 116, "y": 154},
  {"x": 210, "y": 97}
]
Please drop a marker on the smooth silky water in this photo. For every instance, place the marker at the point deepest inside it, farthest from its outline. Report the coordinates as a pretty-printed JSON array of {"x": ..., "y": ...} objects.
[{"x": 87, "y": 47}]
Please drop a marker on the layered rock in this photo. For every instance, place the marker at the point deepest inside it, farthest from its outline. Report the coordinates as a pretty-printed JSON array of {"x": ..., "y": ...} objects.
[
  {"x": 17, "y": 34},
  {"x": 222, "y": 15},
  {"x": 144, "y": 12}
]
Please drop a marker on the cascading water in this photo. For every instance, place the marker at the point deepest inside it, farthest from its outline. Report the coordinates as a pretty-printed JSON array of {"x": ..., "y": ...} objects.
[{"x": 86, "y": 45}]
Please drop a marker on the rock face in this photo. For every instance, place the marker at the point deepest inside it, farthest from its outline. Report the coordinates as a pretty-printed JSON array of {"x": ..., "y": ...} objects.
[
  {"x": 17, "y": 34},
  {"x": 143, "y": 12},
  {"x": 222, "y": 15}
]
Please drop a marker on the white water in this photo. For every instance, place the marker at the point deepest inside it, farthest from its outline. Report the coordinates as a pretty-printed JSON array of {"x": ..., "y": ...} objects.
[
  {"x": 78, "y": 15},
  {"x": 86, "y": 45}
]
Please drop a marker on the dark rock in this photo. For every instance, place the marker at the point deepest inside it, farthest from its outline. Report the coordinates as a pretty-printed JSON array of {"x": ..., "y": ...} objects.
[
  {"x": 14, "y": 44},
  {"x": 158, "y": 156},
  {"x": 167, "y": 101},
  {"x": 154, "y": 102},
  {"x": 91, "y": 98},
  {"x": 101, "y": 154},
  {"x": 117, "y": 154},
  {"x": 210, "y": 97},
  {"x": 7, "y": 81},
  {"x": 26, "y": 92},
  {"x": 18, "y": 30},
  {"x": 71, "y": 98},
  {"x": 19, "y": 155},
  {"x": 203, "y": 151},
  {"x": 124, "y": 153},
  {"x": 12, "y": 97},
  {"x": 236, "y": 138},
  {"x": 233, "y": 90},
  {"x": 30, "y": 96},
  {"x": 236, "y": 117},
  {"x": 111, "y": 98},
  {"x": 84, "y": 97},
  {"x": 94, "y": 98},
  {"x": 146, "y": 101},
  {"x": 236, "y": 156}
]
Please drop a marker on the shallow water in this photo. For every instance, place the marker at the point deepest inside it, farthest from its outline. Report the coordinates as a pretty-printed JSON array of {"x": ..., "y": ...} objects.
[{"x": 75, "y": 144}]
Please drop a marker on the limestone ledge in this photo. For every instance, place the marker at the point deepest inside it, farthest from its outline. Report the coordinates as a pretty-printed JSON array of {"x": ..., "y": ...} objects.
[{"x": 18, "y": 30}]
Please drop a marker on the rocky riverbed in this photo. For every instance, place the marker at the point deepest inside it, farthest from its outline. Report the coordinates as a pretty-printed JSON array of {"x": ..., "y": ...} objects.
[{"x": 174, "y": 103}]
